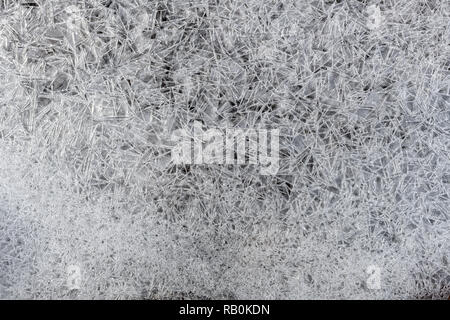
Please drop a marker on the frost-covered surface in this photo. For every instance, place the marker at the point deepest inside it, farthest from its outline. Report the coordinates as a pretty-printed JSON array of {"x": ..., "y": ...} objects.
[{"x": 91, "y": 90}]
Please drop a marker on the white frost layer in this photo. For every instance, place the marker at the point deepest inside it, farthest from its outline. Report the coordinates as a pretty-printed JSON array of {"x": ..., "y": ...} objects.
[{"x": 89, "y": 97}]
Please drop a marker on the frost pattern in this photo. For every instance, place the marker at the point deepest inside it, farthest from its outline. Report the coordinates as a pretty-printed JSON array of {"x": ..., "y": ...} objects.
[{"x": 91, "y": 92}]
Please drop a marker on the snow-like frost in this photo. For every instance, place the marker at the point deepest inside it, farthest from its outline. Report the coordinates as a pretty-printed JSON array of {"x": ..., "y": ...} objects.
[{"x": 91, "y": 91}]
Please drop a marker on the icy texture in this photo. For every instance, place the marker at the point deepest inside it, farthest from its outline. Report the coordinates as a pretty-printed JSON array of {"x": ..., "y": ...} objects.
[{"x": 90, "y": 92}]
